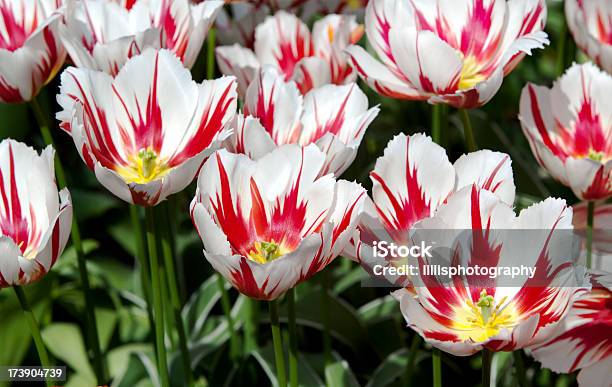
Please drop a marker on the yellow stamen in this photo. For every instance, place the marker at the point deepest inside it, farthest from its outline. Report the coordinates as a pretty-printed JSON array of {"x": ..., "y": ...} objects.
[
  {"x": 596, "y": 156},
  {"x": 265, "y": 252},
  {"x": 485, "y": 319},
  {"x": 144, "y": 167},
  {"x": 470, "y": 74}
]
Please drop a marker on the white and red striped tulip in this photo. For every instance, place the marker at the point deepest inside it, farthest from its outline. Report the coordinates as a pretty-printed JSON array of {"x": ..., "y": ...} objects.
[
  {"x": 30, "y": 50},
  {"x": 146, "y": 132},
  {"x": 104, "y": 34},
  {"x": 284, "y": 41},
  {"x": 584, "y": 342},
  {"x": 569, "y": 128},
  {"x": 590, "y": 22},
  {"x": 35, "y": 218},
  {"x": 472, "y": 313},
  {"x": 333, "y": 117},
  {"x": 412, "y": 179},
  {"x": 272, "y": 223},
  {"x": 453, "y": 52}
]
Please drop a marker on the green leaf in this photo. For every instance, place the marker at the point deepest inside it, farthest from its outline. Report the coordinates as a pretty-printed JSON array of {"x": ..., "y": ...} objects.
[
  {"x": 66, "y": 343},
  {"x": 92, "y": 204},
  {"x": 393, "y": 368},
  {"x": 339, "y": 374},
  {"x": 379, "y": 309},
  {"x": 196, "y": 311},
  {"x": 107, "y": 322},
  {"x": 306, "y": 373},
  {"x": 14, "y": 332},
  {"x": 122, "y": 232},
  {"x": 354, "y": 276},
  {"x": 118, "y": 358},
  {"x": 345, "y": 321},
  {"x": 140, "y": 371}
]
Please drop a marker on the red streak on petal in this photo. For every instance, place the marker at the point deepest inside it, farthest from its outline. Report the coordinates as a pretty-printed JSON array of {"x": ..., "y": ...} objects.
[
  {"x": 408, "y": 210},
  {"x": 539, "y": 122}
]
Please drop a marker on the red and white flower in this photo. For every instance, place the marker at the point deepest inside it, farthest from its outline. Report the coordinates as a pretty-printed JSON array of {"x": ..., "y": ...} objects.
[
  {"x": 569, "y": 128},
  {"x": 269, "y": 224},
  {"x": 146, "y": 132},
  {"x": 473, "y": 312},
  {"x": 284, "y": 41},
  {"x": 333, "y": 117},
  {"x": 35, "y": 219},
  {"x": 104, "y": 34},
  {"x": 584, "y": 342},
  {"x": 30, "y": 49},
  {"x": 453, "y": 52},
  {"x": 590, "y": 22},
  {"x": 411, "y": 180}
]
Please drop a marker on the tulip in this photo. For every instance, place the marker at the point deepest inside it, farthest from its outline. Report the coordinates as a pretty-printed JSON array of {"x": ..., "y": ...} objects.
[
  {"x": 30, "y": 49},
  {"x": 568, "y": 128},
  {"x": 411, "y": 181},
  {"x": 146, "y": 132},
  {"x": 35, "y": 219},
  {"x": 333, "y": 117},
  {"x": 477, "y": 312},
  {"x": 452, "y": 52},
  {"x": 270, "y": 224},
  {"x": 284, "y": 41},
  {"x": 583, "y": 341},
  {"x": 104, "y": 34},
  {"x": 590, "y": 22}
]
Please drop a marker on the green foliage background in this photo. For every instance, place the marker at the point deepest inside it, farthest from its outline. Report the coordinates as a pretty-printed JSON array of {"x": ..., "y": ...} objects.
[{"x": 370, "y": 340}]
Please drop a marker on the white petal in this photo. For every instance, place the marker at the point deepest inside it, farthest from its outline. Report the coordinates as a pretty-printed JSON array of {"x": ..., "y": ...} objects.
[{"x": 489, "y": 170}]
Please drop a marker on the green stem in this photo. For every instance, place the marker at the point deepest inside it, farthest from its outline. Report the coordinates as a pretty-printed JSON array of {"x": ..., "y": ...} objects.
[
  {"x": 487, "y": 356},
  {"x": 251, "y": 325},
  {"x": 293, "y": 345},
  {"x": 566, "y": 51},
  {"x": 278, "y": 344},
  {"x": 210, "y": 56},
  {"x": 160, "y": 348},
  {"x": 414, "y": 347},
  {"x": 519, "y": 366},
  {"x": 175, "y": 299},
  {"x": 436, "y": 123},
  {"x": 436, "y": 357},
  {"x": 34, "y": 329},
  {"x": 227, "y": 311},
  {"x": 468, "y": 130},
  {"x": 326, "y": 315},
  {"x": 141, "y": 256},
  {"x": 589, "y": 233},
  {"x": 90, "y": 317}
]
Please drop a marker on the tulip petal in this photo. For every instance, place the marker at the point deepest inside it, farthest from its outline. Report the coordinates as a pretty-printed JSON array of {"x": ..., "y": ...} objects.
[
  {"x": 239, "y": 62},
  {"x": 379, "y": 77},
  {"x": 276, "y": 103},
  {"x": 488, "y": 170}
]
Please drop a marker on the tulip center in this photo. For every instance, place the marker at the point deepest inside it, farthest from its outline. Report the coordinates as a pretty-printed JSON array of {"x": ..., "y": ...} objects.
[
  {"x": 470, "y": 74},
  {"x": 144, "y": 167},
  {"x": 485, "y": 319},
  {"x": 596, "y": 156},
  {"x": 264, "y": 252}
]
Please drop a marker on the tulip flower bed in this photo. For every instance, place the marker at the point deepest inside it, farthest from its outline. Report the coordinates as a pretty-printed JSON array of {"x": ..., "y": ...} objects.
[{"x": 196, "y": 193}]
